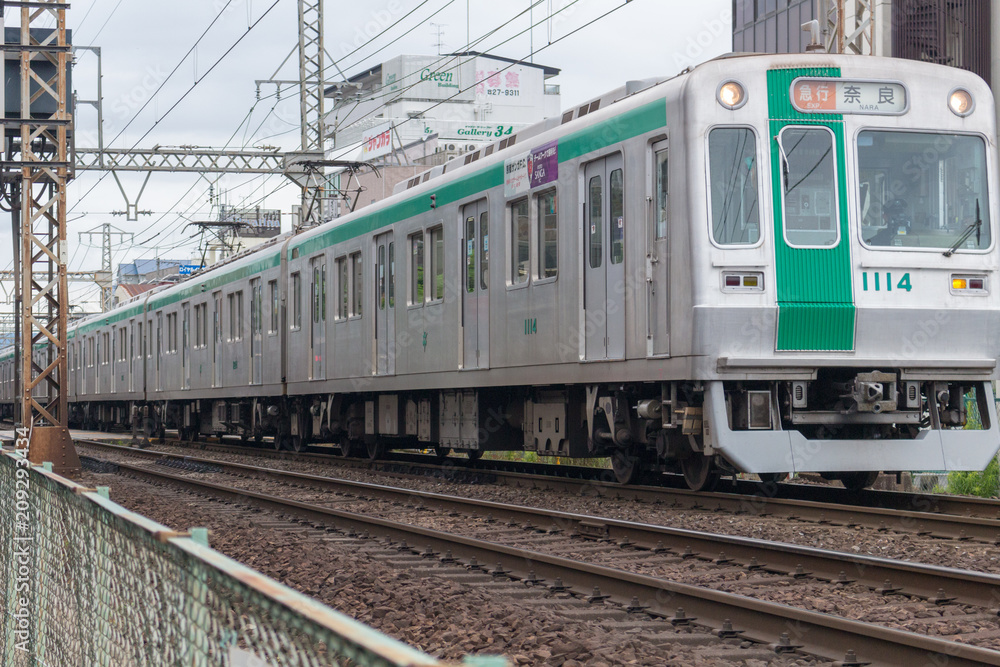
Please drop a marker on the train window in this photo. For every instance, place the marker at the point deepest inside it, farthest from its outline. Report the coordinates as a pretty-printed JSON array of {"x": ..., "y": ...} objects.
[
  {"x": 392, "y": 275},
  {"x": 923, "y": 190},
  {"x": 197, "y": 326},
  {"x": 256, "y": 308},
  {"x": 106, "y": 359},
  {"x": 380, "y": 277},
  {"x": 732, "y": 159},
  {"x": 520, "y": 242},
  {"x": 661, "y": 194},
  {"x": 272, "y": 287},
  {"x": 417, "y": 269},
  {"x": 470, "y": 254},
  {"x": 437, "y": 263},
  {"x": 548, "y": 235},
  {"x": 123, "y": 344},
  {"x": 357, "y": 284},
  {"x": 617, "y": 222},
  {"x": 596, "y": 223},
  {"x": 484, "y": 250},
  {"x": 342, "y": 288},
  {"x": 239, "y": 315},
  {"x": 809, "y": 200},
  {"x": 296, "y": 319}
]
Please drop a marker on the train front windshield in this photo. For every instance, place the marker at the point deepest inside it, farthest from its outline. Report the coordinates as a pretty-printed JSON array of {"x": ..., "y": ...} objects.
[{"x": 923, "y": 190}]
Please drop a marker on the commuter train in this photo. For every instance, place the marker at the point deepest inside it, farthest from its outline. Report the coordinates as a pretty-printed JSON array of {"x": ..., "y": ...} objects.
[{"x": 766, "y": 264}]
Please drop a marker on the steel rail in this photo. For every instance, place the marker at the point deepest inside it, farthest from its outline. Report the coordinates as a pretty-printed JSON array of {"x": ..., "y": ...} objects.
[
  {"x": 763, "y": 622},
  {"x": 884, "y": 575},
  {"x": 916, "y": 521}
]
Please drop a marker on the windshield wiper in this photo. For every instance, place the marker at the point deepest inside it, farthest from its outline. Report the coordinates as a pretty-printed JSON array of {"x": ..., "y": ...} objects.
[
  {"x": 784, "y": 162},
  {"x": 976, "y": 227}
]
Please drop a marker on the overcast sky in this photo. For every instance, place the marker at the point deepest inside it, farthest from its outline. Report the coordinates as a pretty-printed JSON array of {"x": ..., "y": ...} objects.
[{"x": 143, "y": 41}]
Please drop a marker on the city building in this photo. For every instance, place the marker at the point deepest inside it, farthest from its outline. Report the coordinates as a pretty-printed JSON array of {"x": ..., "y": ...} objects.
[
  {"x": 414, "y": 112},
  {"x": 149, "y": 270},
  {"x": 959, "y": 33}
]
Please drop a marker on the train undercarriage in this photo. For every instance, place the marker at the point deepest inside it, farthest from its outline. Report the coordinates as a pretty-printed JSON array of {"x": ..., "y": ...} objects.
[{"x": 703, "y": 430}]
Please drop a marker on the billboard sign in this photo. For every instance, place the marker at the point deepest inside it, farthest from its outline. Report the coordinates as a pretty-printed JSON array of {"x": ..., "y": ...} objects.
[{"x": 376, "y": 142}]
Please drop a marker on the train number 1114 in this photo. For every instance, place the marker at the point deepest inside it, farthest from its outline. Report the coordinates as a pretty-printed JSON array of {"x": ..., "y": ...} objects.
[{"x": 879, "y": 281}]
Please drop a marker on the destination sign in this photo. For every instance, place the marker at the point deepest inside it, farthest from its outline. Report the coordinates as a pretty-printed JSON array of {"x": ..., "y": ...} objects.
[{"x": 847, "y": 96}]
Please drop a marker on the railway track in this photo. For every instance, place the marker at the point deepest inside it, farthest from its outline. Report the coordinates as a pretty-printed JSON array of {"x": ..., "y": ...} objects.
[
  {"x": 937, "y": 516},
  {"x": 825, "y": 636}
]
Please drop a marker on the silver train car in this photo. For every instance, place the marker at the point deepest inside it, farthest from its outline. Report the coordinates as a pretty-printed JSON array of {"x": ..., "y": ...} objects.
[{"x": 767, "y": 264}]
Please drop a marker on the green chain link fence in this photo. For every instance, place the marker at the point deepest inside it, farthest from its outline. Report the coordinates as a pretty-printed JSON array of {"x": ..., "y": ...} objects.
[{"x": 85, "y": 582}]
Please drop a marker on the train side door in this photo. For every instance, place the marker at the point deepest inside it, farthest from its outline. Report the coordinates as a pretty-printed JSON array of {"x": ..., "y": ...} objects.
[
  {"x": 657, "y": 267},
  {"x": 475, "y": 295},
  {"x": 256, "y": 331},
  {"x": 385, "y": 305},
  {"x": 217, "y": 341},
  {"x": 317, "y": 321},
  {"x": 604, "y": 259}
]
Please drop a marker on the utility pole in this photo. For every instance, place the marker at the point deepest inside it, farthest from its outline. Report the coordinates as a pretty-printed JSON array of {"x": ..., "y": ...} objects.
[
  {"x": 105, "y": 231},
  {"x": 45, "y": 167},
  {"x": 850, "y": 27}
]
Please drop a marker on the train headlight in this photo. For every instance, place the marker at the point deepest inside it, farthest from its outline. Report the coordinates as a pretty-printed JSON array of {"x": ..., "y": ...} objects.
[
  {"x": 732, "y": 95},
  {"x": 960, "y": 102}
]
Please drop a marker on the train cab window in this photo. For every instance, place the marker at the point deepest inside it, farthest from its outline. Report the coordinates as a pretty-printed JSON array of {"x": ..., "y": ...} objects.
[
  {"x": 417, "y": 269},
  {"x": 596, "y": 229},
  {"x": 661, "y": 194},
  {"x": 520, "y": 242},
  {"x": 923, "y": 190},
  {"x": 809, "y": 199},
  {"x": 436, "y": 239},
  {"x": 357, "y": 284},
  {"x": 296, "y": 319},
  {"x": 732, "y": 160},
  {"x": 617, "y": 222},
  {"x": 548, "y": 235}
]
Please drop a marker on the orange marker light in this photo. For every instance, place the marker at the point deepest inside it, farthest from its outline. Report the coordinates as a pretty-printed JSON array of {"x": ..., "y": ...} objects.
[{"x": 958, "y": 283}]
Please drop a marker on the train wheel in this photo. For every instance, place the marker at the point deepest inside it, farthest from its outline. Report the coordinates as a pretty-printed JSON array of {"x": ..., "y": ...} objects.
[
  {"x": 700, "y": 472},
  {"x": 625, "y": 466},
  {"x": 376, "y": 449},
  {"x": 280, "y": 441},
  {"x": 772, "y": 477},
  {"x": 296, "y": 443},
  {"x": 474, "y": 454},
  {"x": 346, "y": 447},
  {"x": 442, "y": 452},
  {"x": 857, "y": 481}
]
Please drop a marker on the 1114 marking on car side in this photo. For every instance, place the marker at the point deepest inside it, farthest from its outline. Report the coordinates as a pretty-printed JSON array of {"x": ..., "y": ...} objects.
[{"x": 878, "y": 282}]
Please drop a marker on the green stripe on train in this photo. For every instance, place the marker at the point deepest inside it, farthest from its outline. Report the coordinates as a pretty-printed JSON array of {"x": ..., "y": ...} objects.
[
  {"x": 816, "y": 309},
  {"x": 632, "y": 123}
]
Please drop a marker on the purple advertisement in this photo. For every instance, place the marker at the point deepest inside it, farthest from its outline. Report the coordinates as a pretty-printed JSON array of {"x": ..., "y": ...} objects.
[{"x": 543, "y": 164}]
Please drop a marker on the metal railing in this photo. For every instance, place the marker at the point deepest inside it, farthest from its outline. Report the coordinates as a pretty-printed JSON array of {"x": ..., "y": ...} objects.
[{"x": 84, "y": 581}]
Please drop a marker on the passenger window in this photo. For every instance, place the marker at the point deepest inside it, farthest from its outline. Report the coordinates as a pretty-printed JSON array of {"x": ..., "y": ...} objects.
[
  {"x": 275, "y": 305},
  {"x": 296, "y": 301},
  {"x": 470, "y": 254},
  {"x": 392, "y": 275},
  {"x": 617, "y": 222},
  {"x": 661, "y": 194},
  {"x": 548, "y": 256},
  {"x": 437, "y": 263},
  {"x": 596, "y": 222},
  {"x": 732, "y": 159},
  {"x": 810, "y": 202},
  {"x": 358, "y": 285},
  {"x": 484, "y": 250},
  {"x": 520, "y": 246},
  {"x": 381, "y": 277},
  {"x": 342, "y": 289},
  {"x": 417, "y": 269}
]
